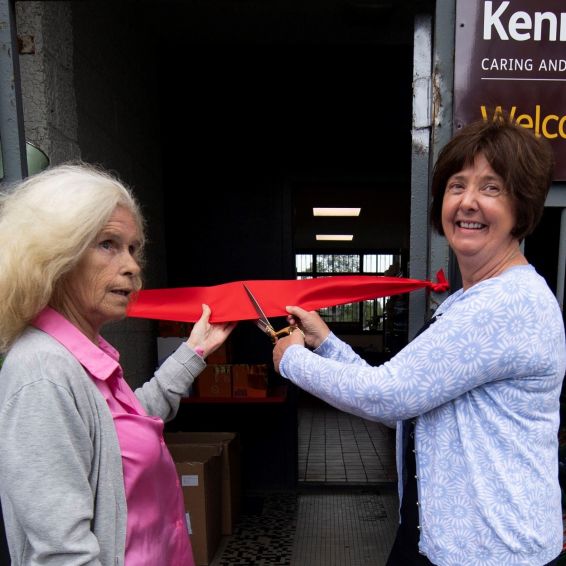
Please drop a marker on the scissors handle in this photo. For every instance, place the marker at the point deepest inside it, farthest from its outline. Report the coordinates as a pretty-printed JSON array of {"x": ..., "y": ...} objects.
[
  {"x": 284, "y": 332},
  {"x": 272, "y": 333}
]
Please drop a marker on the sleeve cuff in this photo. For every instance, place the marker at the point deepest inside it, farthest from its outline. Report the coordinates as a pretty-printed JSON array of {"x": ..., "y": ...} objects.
[
  {"x": 285, "y": 359},
  {"x": 325, "y": 345},
  {"x": 189, "y": 359}
]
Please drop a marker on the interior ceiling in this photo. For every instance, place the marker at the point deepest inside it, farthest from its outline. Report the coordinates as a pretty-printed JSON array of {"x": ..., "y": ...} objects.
[
  {"x": 288, "y": 21},
  {"x": 381, "y": 225},
  {"x": 318, "y": 91}
]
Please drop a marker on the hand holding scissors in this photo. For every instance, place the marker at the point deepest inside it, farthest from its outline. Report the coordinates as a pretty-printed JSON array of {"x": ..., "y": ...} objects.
[
  {"x": 264, "y": 324},
  {"x": 314, "y": 329}
]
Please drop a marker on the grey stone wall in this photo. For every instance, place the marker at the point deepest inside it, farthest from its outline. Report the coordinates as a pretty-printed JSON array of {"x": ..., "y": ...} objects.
[
  {"x": 46, "y": 67},
  {"x": 87, "y": 91}
]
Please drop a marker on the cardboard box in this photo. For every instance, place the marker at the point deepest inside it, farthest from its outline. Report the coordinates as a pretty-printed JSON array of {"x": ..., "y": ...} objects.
[
  {"x": 231, "y": 469},
  {"x": 214, "y": 381},
  {"x": 249, "y": 380},
  {"x": 220, "y": 356},
  {"x": 199, "y": 468}
]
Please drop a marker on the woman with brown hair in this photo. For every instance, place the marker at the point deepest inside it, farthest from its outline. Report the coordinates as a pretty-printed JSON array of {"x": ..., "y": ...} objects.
[{"x": 476, "y": 394}]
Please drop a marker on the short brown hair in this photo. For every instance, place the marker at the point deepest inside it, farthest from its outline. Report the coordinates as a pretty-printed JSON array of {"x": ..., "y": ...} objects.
[{"x": 524, "y": 162}]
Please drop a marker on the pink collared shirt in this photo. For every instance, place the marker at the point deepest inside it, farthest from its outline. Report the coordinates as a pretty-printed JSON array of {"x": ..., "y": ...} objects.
[{"x": 156, "y": 526}]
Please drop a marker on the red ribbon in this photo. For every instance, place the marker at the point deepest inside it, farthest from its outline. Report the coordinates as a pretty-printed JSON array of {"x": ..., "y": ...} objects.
[{"x": 230, "y": 302}]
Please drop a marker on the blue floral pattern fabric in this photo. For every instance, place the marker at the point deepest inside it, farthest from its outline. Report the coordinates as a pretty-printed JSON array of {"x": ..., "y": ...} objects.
[{"x": 484, "y": 381}]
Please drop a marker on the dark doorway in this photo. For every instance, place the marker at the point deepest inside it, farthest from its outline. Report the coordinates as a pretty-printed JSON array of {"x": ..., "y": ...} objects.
[
  {"x": 258, "y": 99},
  {"x": 541, "y": 247},
  {"x": 258, "y": 103},
  {"x": 255, "y": 122}
]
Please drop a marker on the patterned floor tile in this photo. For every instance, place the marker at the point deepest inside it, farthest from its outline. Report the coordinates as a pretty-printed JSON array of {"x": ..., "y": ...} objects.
[{"x": 265, "y": 533}]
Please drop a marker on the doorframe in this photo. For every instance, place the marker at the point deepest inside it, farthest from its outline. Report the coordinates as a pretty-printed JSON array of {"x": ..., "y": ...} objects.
[
  {"x": 433, "y": 80},
  {"x": 12, "y": 133},
  {"x": 557, "y": 198}
]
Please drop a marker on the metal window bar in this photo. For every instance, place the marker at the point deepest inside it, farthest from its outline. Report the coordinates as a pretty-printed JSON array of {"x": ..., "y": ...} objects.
[
  {"x": 373, "y": 314},
  {"x": 337, "y": 263},
  {"x": 369, "y": 314},
  {"x": 304, "y": 263}
]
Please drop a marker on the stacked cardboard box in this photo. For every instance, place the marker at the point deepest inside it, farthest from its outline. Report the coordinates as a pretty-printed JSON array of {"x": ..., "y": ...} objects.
[
  {"x": 220, "y": 378},
  {"x": 249, "y": 380},
  {"x": 232, "y": 380},
  {"x": 200, "y": 469},
  {"x": 229, "y": 443},
  {"x": 214, "y": 381},
  {"x": 222, "y": 355}
]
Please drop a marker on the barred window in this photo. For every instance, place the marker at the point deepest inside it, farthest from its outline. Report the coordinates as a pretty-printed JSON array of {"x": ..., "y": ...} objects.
[{"x": 366, "y": 316}]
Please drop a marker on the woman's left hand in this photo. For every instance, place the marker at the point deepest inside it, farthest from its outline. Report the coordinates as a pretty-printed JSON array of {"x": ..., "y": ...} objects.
[
  {"x": 205, "y": 337},
  {"x": 296, "y": 337}
]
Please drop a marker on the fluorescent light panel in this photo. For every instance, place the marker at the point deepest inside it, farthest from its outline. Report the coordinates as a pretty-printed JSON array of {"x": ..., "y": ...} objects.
[
  {"x": 335, "y": 237},
  {"x": 333, "y": 211}
]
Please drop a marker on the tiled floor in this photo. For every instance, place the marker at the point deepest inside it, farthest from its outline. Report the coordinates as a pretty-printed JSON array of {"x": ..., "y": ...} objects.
[
  {"x": 344, "y": 511},
  {"x": 336, "y": 447},
  {"x": 344, "y": 527}
]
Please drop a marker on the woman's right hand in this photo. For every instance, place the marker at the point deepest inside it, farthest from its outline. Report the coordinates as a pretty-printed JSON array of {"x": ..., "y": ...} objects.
[{"x": 313, "y": 327}]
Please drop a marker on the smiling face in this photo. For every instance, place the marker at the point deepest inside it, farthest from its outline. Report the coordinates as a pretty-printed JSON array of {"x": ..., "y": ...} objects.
[
  {"x": 99, "y": 287},
  {"x": 478, "y": 217}
]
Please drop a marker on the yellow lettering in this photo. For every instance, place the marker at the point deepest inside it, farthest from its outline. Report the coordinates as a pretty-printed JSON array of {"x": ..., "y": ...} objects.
[
  {"x": 545, "y": 131},
  {"x": 539, "y": 122},
  {"x": 525, "y": 120},
  {"x": 498, "y": 112}
]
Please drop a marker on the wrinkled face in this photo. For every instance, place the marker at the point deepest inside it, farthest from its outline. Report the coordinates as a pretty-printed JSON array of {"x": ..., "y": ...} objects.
[
  {"x": 99, "y": 288},
  {"x": 478, "y": 213}
]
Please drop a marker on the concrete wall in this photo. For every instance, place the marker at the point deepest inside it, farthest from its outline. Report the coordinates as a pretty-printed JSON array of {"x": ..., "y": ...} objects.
[
  {"x": 87, "y": 92},
  {"x": 46, "y": 67}
]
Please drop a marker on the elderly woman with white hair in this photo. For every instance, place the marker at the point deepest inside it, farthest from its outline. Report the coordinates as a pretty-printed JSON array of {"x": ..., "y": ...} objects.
[{"x": 85, "y": 477}]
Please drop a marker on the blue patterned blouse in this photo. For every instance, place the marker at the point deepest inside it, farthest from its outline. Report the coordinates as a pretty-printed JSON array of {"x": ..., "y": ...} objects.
[{"x": 484, "y": 381}]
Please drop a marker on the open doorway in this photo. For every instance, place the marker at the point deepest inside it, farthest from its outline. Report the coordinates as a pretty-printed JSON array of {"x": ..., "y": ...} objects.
[{"x": 278, "y": 104}]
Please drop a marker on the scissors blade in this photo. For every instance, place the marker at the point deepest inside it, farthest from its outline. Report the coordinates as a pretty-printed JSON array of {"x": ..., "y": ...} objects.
[{"x": 263, "y": 321}]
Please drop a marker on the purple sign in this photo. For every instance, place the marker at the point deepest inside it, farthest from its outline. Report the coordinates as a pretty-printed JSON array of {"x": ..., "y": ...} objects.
[{"x": 511, "y": 57}]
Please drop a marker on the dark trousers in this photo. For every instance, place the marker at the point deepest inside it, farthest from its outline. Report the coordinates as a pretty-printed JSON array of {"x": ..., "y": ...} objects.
[
  {"x": 4, "y": 554},
  {"x": 405, "y": 550}
]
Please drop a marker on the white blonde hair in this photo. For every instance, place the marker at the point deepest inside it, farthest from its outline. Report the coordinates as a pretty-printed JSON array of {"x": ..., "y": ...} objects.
[{"x": 46, "y": 224}]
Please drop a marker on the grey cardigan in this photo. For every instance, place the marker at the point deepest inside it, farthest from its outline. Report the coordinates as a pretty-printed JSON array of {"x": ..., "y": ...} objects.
[{"x": 61, "y": 481}]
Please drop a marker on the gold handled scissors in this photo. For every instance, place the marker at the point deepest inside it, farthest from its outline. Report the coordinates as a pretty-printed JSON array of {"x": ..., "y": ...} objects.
[{"x": 263, "y": 322}]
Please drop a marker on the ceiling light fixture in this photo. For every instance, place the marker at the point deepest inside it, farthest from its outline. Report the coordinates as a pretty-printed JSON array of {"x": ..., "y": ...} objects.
[
  {"x": 333, "y": 211},
  {"x": 335, "y": 237}
]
